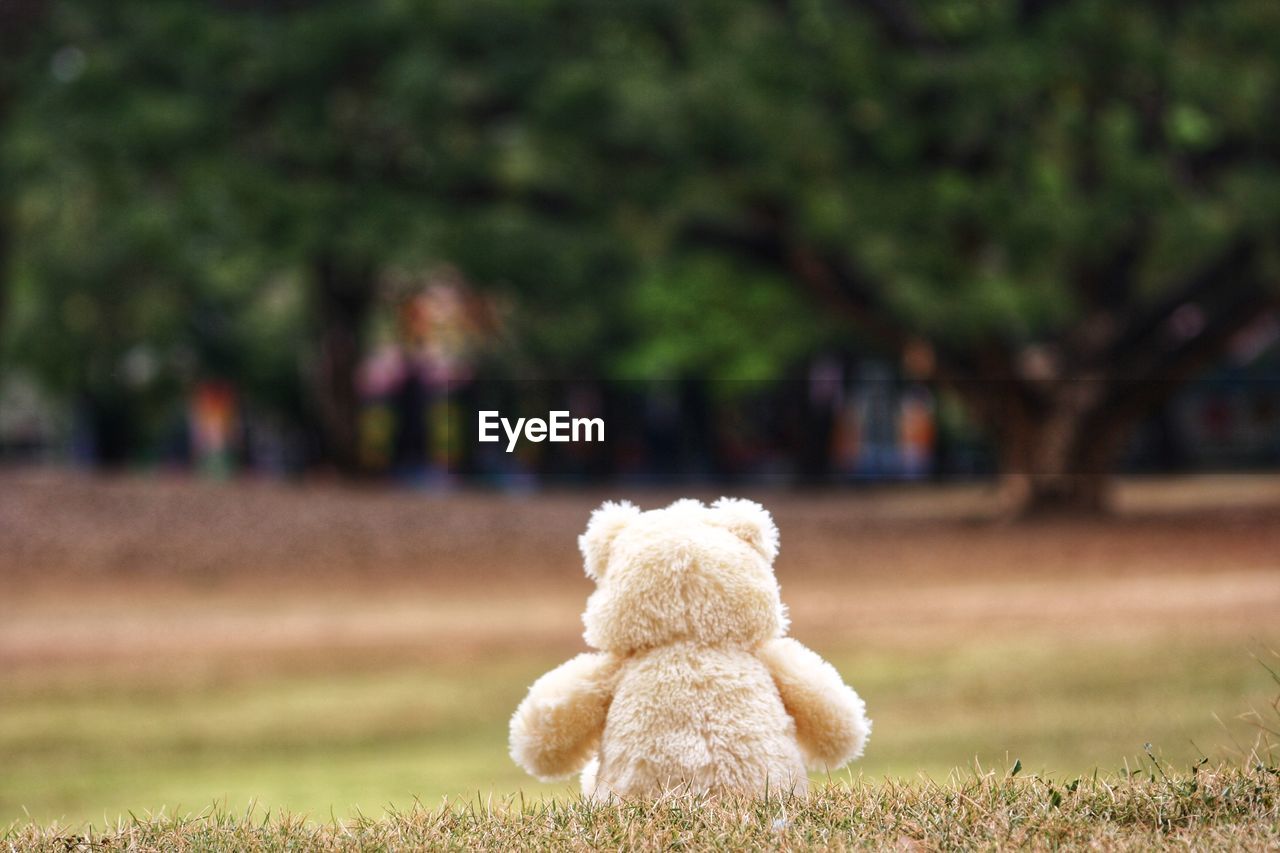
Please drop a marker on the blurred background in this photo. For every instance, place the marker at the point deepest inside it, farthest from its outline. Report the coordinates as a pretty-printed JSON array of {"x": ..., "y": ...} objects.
[{"x": 981, "y": 299}]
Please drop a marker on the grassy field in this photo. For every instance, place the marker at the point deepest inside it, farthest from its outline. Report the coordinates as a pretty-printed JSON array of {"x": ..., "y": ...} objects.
[
  {"x": 168, "y": 645},
  {"x": 1235, "y": 809}
]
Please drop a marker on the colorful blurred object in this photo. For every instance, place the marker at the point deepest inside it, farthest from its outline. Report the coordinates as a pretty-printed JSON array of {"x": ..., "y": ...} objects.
[{"x": 214, "y": 425}]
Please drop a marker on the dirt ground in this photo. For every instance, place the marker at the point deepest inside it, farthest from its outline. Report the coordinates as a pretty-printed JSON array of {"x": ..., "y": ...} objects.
[{"x": 300, "y": 570}]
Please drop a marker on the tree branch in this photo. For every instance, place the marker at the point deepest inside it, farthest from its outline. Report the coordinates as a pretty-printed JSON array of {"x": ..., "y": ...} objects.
[
  {"x": 901, "y": 23},
  {"x": 1154, "y": 379},
  {"x": 837, "y": 283},
  {"x": 985, "y": 376},
  {"x": 1030, "y": 11},
  {"x": 1230, "y": 270}
]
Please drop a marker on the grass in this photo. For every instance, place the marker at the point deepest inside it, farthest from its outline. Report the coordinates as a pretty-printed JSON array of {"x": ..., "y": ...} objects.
[
  {"x": 1227, "y": 809},
  {"x": 326, "y": 655},
  {"x": 354, "y": 738}
]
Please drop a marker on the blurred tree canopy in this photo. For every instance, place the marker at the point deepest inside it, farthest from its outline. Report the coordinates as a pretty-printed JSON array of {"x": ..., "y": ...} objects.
[{"x": 1056, "y": 210}]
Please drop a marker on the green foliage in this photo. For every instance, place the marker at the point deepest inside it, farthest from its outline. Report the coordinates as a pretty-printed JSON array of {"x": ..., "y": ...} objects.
[
  {"x": 176, "y": 165},
  {"x": 975, "y": 176},
  {"x": 717, "y": 319}
]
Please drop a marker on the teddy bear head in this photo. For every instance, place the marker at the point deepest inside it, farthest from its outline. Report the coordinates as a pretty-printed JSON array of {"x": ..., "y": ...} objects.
[{"x": 689, "y": 572}]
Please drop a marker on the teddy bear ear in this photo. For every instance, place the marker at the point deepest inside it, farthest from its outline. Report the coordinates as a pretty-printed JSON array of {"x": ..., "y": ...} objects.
[
  {"x": 605, "y": 524},
  {"x": 750, "y": 522}
]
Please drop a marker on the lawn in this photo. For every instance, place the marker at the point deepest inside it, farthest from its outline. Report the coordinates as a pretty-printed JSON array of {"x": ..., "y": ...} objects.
[
  {"x": 1150, "y": 809},
  {"x": 142, "y": 675},
  {"x": 348, "y": 740}
]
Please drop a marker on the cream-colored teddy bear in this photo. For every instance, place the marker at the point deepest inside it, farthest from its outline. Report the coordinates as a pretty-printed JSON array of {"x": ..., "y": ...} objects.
[{"x": 694, "y": 688}]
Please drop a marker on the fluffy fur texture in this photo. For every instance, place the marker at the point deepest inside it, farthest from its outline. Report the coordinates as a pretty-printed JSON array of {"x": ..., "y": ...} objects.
[{"x": 694, "y": 686}]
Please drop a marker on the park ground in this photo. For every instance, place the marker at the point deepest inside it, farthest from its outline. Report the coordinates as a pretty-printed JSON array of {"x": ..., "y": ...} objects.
[{"x": 332, "y": 651}]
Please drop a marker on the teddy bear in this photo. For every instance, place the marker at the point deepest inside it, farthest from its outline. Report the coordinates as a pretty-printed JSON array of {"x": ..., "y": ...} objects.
[{"x": 694, "y": 686}]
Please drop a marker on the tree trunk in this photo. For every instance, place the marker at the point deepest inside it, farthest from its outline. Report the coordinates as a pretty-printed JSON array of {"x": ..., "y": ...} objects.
[
  {"x": 1058, "y": 458},
  {"x": 19, "y": 21},
  {"x": 1041, "y": 482},
  {"x": 4, "y": 264},
  {"x": 343, "y": 299}
]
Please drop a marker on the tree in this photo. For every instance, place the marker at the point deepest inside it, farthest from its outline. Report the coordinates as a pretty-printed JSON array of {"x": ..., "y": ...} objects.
[
  {"x": 314, "y": 143},
  {"x": 1057, "y": 210},
  {"x": 18, "y": 20},
  {"x": 123, "y": 291},
  {"x": 1061, "y": 210}
]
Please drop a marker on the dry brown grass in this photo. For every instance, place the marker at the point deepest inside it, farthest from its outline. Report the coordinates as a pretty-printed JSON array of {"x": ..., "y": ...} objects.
[
  {"x": 1223, "y": 810},
  {"x": 98, "y": 572},
  {"x": 57, "y": 527}
]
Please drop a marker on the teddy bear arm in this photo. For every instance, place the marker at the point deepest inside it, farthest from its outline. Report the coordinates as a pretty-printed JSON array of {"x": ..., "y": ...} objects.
[
  {"x": 556, "y": 729},
  {"x": 831, "y": 723}
]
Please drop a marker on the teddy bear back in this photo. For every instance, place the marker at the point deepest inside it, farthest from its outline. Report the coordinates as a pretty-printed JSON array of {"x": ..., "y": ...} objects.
[{"x": 688, "y": 573}]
